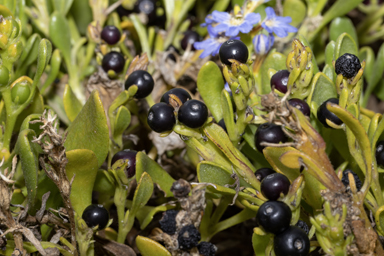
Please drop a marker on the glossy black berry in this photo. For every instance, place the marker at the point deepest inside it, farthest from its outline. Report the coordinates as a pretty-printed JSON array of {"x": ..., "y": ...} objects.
[
  {"x": 303, "y": 225},
  {"x": 130, "y": 156},
  {"x": 168, "y": 222},
  {"x": 293, "y": 242},
  {"x": 94, "y": 215},
  {"x": 263, "y": 172},
  {"x": 269, "y": 133},
  {"x": 345, "y": 179},
  {"x": 207, "y": 249},
  {"x": 180, "y": 93},
  {"x": 301, "y": 105},
  {"x": 111, "y": 35},
  {"x": 193, "y": 113},
  {"x": 273, "y": 185},
  {"x": 188, "y": 238},
  {"x": 113, "y": 61},
  {"x": 323, "y": 113},
  {"x": 274, "y": 216},
  {"x": 380, "y": 153},
  {"x": 279, "y": 80},
  {"x": 161, "y": 117},
  {"x": 144, "y": 82},
  {"x": 348, "y": 65},
  {"x": 190, "y": 37},
  {"x": 233, "y": 49}
]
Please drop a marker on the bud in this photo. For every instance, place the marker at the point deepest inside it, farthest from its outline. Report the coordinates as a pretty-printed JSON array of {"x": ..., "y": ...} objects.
[
  {"x": 14, "y": 51},
  {"x": 20, "y": 92},
  {"x": 4, "y": 76},
  {"x": 263, "y": 43}
]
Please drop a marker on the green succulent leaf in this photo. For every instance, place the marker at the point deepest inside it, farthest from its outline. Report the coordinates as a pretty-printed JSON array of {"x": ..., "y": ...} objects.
[
  {"x": 157, "y": 174},
  {"x": 149, "y": 247},
  {"x": 62, "y": 6},
  {"x": 122, "y": 121},
  {"x": 29, "y": 54},
  {"x": 210, "y": 84},
  {"x": 213, "y": 173},
  {"x": 228, "y": 115},
  {"x": 340, "y": 26},
  {"x": 29, "y": 163},
  {"x": 89, "y": 130},
  {"x": 72, "y": 105},
  {"x": 366, "y": 53},
  {"x": 60, "y": 34},
  {"x": 322, "y": 89},
  {"x": 345, "y": 44},
  {"x": 330, "y": 53},
  {"x": 295, "y": 9},
  {"x": 82, "y": 163},
  {"x": 274, "y": 60},
  {"x": 36, "y": 106},
  {"x": 260, "y": 243},
  {"x": 43, "y": 57}
]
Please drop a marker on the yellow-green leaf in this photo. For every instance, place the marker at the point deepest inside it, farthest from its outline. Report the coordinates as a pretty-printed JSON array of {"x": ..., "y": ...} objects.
[
  {"x": 72, "y": 105},
  {"x": 149, "y": 247}
]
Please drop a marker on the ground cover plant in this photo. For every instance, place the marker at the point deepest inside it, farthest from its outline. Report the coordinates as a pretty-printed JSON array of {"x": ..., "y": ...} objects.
[{"x": 190, "y": 127}]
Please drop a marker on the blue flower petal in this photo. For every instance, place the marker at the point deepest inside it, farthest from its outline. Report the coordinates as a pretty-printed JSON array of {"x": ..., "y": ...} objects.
[
  {"x": 253, "y": 18},
  {"x": 220, "y": 16}
]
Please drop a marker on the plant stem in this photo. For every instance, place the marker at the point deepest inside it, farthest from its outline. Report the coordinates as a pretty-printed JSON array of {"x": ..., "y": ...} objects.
[
  {"x": 11, "y": 118},
  {"x": 119, "y": 199}
]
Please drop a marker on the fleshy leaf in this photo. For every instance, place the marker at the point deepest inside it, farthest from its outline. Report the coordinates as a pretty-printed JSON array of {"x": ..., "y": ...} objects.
[
  {"x": 62, "y": 6},
  {"x": 72, "y": 105},
  {"x": 260, "y": 243},
  {"x": 330, "y": 53},
  {"x": 29, "y": 163},
  {"x": 345, "y": 44},
  {"x": 212, "y": 173},
  {"x": 210, "y": 83},
  {"x": 60, "y": 34},
  {"x": 295, "y": 9},
  {"x": 322, "y": 89},
  {"x": 90, "y": 130},
  {"x": 274, "y": 60},
  {"x": 149, "y": 247},
  {"x": 158, "y": 174},
  {"x": 83, "y": 164},
  {"x": 122, "y": 121},
  {"x": 342, "y": 25}
]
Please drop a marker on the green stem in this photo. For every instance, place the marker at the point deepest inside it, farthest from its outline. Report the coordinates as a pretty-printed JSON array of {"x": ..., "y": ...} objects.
[
  {"x": 220, "y": 209},
  {"x": 11, "y": 117},
  {"x": 119, "y": 198}
]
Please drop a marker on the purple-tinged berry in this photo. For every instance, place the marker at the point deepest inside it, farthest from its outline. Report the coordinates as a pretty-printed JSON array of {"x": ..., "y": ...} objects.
[
  {"x": 130, "y": 156},
  {"x": 180, "y": 93},
  {"x": 279, "y": 80},
  {"x": 113, "y": 61},
  {"x": 323, "y": 113},
  {"x": 300, "y": 105},
  {"x": 111, "y": 35},
  {"x": 274, "y": 185},
  {"x": 270, "y": 133},
  {"x": 193, "y": 113},
  {"x": 144, "y": 82}
]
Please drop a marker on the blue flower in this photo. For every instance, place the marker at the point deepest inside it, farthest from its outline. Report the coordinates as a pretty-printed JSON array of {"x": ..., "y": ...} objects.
[
  {"x": 233, "y": 24},
  {"x": 278, "y": 25},
  {"x": 263, "y": 43},
  {"x": 212, "y": 45}
]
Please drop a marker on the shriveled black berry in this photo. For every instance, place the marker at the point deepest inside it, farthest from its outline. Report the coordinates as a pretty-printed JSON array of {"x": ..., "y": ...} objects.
[
  {"x": 233, "y": 49},
  {"x": 180, "y": 93},
  {"x": 303, "y": 225},
  {"x": 130, "y": 156},
  {"x": 380, "y": 153},
  {"x": 111, "y": 35},
  {"x": 301, "y": 105},
  {"x": 263, "y": 172},
  {"x": 113, "y": 61},
  {"x": 279, "y": 80},
  {"x": 274, "y": 216},
  {"x": 144, "y": 82},
  {"x": 348, "y": 65},
  {"x": 190, "y": 37},
  {"x": 161, "y": 117},
  {"x": 168, "y": 222},
  {"x": 293, "y": 242},
  {"x": 207, "y": 249},
  {"x": 96, "y": 214},
  {"x": 188, "y": 238},
  {"x": 273, "y": 185},
  {"x": 270, "y": 133},
  {"x": 345, "y": 179},
  {"x": 323, "y": 113},
  {"x": 193, "y": 113}
]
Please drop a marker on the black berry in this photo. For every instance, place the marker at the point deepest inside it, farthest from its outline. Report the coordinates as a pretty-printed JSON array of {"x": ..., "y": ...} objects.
[
  {"x": 130, "y": 156},
  {"x": 168, "y": 222},
  {"x": 380, "y": 153},
  {"x": 94, "y": 215},
  {"x": 301, "y": 105},
  {"x": 323, "y": 113},
  {"x": 121, "y": 11},
  {"x": 273, "y": 185},
  {"x": 274, "y": 216},
  {"x": 207, "y": 249},
  {"x": 222, "y": 125},
  {"x": 269, "y": 133},
  {"x": 348, "y": 65},
  {"x": 182, "y": 94},
  {"x": 111, "y": 35},
  {"x": 193, "y": 113},
  {"x": 188, "y": 238},
  {"x": 113, "y": 61},
  {"x": 190, "y": 37},
  {"x": 345, "y": 179},
  {"x": 303, "y": 225},
  {"x": 233, "y": 49},
  {"x": 161, "y": 117},
  {"x": 279, "y": 80},
  {"x": 293, "y": 242},
  {"x": 144, "y": 82},
  {"x": 263, "y": 172},
  {"x": 173, "y": 50}
]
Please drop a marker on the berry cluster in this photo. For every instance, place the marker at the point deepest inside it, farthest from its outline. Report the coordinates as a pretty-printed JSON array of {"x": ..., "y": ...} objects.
[
  {"x": 177, "y": 102},
  {"x": 275, "y": 216}
]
